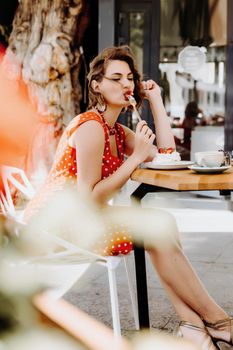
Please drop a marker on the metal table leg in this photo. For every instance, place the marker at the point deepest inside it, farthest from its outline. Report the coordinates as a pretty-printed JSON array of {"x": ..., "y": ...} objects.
[{"x": 141, "y": 281}]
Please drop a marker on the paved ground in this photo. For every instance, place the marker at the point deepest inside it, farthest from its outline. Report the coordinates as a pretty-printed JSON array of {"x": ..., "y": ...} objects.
[{"x": 211, "y": 256}]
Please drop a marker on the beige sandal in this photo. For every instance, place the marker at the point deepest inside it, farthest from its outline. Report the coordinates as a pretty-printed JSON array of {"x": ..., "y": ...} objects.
[{"x": 207, "y": 344}]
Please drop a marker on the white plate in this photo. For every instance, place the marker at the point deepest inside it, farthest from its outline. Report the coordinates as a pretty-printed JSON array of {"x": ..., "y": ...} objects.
[
  {"x": 180, "y": 164},
  {"x": 208, "y": 170}
]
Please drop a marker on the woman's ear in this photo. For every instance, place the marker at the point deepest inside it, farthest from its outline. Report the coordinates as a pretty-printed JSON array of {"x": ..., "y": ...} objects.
[{"x": 95, "y": 85}]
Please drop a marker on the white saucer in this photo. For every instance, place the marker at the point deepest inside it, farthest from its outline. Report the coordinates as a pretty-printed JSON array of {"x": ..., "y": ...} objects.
[
  {"x": 208, "y": 170},
  {"x": 179, "y": 164}
]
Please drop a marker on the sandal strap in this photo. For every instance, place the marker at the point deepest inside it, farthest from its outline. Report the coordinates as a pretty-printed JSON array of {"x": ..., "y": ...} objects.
[
  {"x": 192, "y": 326},
  {"x": 218, "y": 324},
  {"x": 207, "y": 343},
  {"x": 221, "y": 324}
]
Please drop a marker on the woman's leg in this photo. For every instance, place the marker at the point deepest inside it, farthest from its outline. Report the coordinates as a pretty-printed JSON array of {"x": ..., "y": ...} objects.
[
  {"x": 159, "y": 231},
  {"x": 183, "y": 310},
  {"x": 179, "y": 278},
  {"x": 197, "y": 335},
  {"x": 187, "y": 294}
]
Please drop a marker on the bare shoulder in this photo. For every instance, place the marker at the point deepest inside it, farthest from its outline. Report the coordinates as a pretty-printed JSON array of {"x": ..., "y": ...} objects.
[
  {"x": 90, "y": 132},
  {"x": 84, "y": 125}
]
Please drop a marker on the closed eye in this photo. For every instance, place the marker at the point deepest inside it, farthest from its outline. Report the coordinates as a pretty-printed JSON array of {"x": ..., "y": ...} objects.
[{"x": 118, "y": 78}]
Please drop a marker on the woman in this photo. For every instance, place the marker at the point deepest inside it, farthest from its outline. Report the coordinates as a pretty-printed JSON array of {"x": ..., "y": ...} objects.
[{"x": 91, "y": 154}]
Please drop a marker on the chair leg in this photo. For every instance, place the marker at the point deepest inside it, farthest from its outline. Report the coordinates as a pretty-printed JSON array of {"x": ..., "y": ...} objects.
[
  {"x": 133, "y": 296},
  {"x": 114, "y": 301}
]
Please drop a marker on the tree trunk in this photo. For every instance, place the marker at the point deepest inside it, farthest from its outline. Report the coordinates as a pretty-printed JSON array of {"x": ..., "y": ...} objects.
[{"x": 42, "y": 45}]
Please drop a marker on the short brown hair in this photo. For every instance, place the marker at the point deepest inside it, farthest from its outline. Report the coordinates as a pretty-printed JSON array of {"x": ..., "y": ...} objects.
[{"x": 98, "y": 67}]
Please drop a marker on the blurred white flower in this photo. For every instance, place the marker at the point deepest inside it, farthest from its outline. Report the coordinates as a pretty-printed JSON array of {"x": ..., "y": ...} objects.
[
  {"x": 68, "y": 216},
  {"x": 161, "y": 341},
  {"x": 40, "y": 339}
]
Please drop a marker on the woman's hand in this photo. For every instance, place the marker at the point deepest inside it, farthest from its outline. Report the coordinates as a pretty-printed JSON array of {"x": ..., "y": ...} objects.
[
  {"x": 164, "y": 135},
  {"x": 144, "y": 138},
  {"x": 151, "y": 89}
]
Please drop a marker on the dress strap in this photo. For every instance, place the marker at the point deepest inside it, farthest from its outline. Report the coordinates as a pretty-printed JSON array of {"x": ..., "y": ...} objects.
[
  {"x": 82, "y": 118},
  {"x": 120, "y": 129}
]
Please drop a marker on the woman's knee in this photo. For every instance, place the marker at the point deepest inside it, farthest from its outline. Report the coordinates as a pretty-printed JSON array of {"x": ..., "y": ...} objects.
[
  {"x": 163, "y": 230},
  {"x": 155, "y": 227},
  {"x": 168, "y": 248}
]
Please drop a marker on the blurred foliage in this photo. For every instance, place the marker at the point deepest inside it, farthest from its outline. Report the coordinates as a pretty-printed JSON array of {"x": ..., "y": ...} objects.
[
  {"x": 4, "y": 233},
  {"x": 8, "y": 320},
  {"x": 21, "y": 325},
  {"x": 7, "y": 309}
]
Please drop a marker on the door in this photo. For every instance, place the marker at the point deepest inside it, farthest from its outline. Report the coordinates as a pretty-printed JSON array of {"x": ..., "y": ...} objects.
[{"x": 137, "y": 25}]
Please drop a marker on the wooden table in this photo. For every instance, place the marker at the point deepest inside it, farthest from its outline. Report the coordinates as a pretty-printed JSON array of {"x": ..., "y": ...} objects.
[
  {"x": 162, "y": 181},
  {"x": 184, "y": 180}
]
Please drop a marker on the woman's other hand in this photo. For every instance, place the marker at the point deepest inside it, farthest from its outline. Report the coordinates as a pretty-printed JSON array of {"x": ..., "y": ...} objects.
[
  {"x": 144, "y": 138},
  {"x": 164, "y": 135},
  {"x": 151, "y": 89}
]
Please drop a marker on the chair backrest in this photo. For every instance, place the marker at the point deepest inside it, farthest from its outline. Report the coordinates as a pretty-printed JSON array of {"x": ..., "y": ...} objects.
[
  {"x": 23, "y": 185},
  {"x": 2, "y": 206}
]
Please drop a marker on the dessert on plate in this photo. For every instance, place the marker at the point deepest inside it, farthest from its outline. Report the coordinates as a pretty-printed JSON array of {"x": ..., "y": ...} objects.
[{"x": 166, "y": 158}]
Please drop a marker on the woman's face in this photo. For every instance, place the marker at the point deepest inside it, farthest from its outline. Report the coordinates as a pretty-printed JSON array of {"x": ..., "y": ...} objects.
[{"x": 116, "y": 83}]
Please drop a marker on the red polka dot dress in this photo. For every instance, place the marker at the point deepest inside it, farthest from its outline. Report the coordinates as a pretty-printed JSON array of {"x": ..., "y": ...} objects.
[{"x": 116, "y": 239}]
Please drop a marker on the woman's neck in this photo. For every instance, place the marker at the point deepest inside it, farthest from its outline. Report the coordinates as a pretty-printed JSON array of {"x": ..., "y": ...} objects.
[{"x": 111, "y": 114}]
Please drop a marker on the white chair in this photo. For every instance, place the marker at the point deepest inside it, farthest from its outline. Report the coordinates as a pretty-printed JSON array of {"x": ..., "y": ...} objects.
[
  {"x": 7, "y": 174},
  {"x": 61, "y": 270}
]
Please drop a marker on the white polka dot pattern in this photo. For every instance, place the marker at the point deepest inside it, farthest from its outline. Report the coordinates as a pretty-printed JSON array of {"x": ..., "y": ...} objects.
[{"x": 64, "y": 170}]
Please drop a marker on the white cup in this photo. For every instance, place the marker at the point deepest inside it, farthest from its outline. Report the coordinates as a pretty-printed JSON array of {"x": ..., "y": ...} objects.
[{"x": 209, "y": 158}]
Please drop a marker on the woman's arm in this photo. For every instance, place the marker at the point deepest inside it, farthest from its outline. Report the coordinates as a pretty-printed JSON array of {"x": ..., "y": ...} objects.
[
  {"x": 164, "y": 136},
  {"x": 89, "y": 141}
]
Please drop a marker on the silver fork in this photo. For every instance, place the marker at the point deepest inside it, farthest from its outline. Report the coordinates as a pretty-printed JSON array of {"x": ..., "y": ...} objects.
[{"x": 133, "y": 104}]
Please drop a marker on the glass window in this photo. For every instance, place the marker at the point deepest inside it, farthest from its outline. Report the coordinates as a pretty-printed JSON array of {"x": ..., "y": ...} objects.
[{"x": 136, "y": 37}]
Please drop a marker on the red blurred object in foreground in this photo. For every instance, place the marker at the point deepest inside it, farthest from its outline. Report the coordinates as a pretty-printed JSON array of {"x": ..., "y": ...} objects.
[
  {"x": 18, "y": 118},
  {"x": 2, "y": 51}
]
